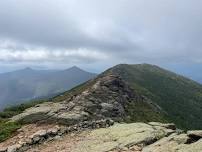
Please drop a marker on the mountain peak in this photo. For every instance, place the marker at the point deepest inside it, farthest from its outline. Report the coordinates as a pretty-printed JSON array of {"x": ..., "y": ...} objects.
[
  {"x": 75, "y": 67},
  {"x": 27, "y": 69}
]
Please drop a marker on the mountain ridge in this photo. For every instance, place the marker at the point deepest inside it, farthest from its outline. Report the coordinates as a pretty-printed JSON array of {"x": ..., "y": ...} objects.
[
  {"x": 168, "y": 90},
  {"x": 127, "y": 107},
  {"x": 129, "y": 93}
]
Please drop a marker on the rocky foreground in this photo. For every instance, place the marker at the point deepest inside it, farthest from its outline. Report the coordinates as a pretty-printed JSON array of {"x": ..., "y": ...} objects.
[{"x": 137, "y": 137}]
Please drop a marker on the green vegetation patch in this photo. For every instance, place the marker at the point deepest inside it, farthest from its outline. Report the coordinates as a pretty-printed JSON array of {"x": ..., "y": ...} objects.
[
  {"x": 7, "y": 129},
  {"x": 142, "y": 112}
]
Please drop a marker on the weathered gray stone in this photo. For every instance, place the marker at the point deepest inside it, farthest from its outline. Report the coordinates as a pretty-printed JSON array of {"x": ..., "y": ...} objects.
[
  {"x": 13, "y": 148},
  {"x": 70, "y": 118},
  {"x": 194, "y": 147},
  {"x": 53, "y": 131},
  {"x": 36, "y": 139},
  {"x": 29, "y": 141},
  {"x": 58, "y": 137},
  {"x": 38, "y": 113},
  {"x": 195, "y": 133},
  {"x": 39, "y": 133},
  {"x": 120, "y": 136},
  {"x": 107, "y": 106},
  {"x": 172, "y": 143},
  {"x": 3, "y": 149}
]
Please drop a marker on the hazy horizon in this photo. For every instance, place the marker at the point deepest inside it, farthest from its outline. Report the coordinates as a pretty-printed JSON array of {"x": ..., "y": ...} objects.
[{"x": 193, "y": 72}]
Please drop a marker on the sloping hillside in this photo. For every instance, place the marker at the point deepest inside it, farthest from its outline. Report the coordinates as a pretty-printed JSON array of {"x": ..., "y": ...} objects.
[
  {"x": 179, "y": 97},
  {"x": 27, "y": 84}
]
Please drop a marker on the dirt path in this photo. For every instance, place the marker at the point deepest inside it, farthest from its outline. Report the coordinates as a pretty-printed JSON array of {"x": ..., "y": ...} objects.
[{"x": 63, "y": 144}]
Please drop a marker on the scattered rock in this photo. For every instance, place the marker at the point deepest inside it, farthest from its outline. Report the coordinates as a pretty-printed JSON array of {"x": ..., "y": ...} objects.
[
  {"x": 54, "y": 133},
  {"x": 3, "y": 149},
  {"x": 39, "y": 133},
  {"x": 14, "y": 148},
  {"x": 57, "y": 137}
]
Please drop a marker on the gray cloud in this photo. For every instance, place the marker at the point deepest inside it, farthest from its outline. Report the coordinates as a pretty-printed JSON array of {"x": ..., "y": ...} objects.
[{"x": 100, "y": 31}]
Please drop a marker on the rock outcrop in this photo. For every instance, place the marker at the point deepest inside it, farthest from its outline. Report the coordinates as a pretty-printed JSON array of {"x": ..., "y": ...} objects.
[
  {"x": 107, "y": 97},
  {"x": 141, "y": 137},
  {"x": 123, "y": 136},
  {"x": 23, "y": 143}
]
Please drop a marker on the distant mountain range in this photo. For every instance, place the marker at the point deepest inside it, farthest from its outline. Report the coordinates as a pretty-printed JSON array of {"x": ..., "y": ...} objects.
[{"x": 21, "y": 85}]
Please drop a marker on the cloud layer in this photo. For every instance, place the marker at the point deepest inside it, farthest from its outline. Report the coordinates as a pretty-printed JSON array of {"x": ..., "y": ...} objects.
[{"x": 100, "y": 31}]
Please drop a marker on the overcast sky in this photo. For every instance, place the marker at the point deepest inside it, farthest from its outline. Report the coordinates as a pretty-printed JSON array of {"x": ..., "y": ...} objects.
[{"x": 96, "y": 34}]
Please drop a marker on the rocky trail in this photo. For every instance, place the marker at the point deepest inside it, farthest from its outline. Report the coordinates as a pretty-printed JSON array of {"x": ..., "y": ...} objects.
[{"x": 134, "y": 137}]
